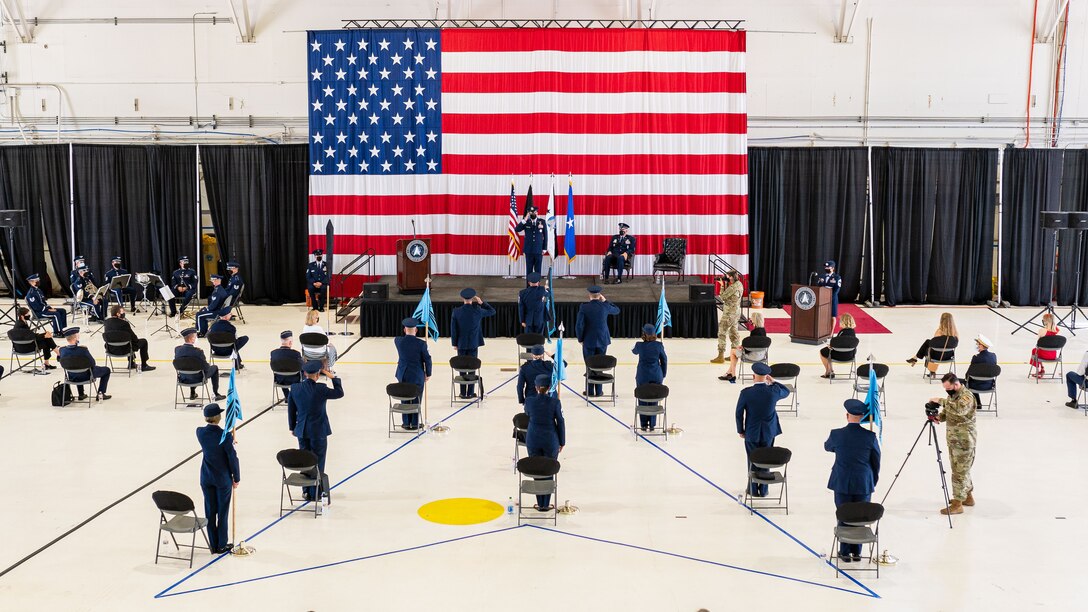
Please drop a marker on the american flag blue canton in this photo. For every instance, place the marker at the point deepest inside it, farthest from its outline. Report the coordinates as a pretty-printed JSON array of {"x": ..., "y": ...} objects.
[{"x": 375, "y": 104}]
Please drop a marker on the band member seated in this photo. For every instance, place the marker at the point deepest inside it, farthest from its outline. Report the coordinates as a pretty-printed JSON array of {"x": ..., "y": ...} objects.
[
  {"x": 129, "y": 290},
  {"x": 81, "y": 282},
  {"x": 183, "y": 285},
  {"x": 35, "y": 299}
]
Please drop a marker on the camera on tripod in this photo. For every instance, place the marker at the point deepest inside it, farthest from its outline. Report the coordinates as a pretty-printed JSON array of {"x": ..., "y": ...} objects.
[{"x": 932, "y": 409}]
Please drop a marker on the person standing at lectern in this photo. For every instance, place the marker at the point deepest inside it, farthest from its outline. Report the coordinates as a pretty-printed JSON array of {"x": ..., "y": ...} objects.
[
  {"x": 536, "y": 234},
  {"x": 831, "y": 278}
]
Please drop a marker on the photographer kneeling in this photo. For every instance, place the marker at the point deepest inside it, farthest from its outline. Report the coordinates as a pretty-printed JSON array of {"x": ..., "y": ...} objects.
[{"x": 957, "y": 411}]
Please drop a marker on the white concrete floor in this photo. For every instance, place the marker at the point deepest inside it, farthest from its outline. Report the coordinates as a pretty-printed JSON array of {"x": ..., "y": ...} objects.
[{"x": 658, "y": 527}]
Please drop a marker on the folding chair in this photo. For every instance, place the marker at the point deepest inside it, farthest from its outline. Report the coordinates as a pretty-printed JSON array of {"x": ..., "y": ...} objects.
[
  {"x": 942, "y": 350},
  {"x": 537, "y": 476},
  {"x": 753, "y": 349},
  {"x": 400, "y": 396},
  {"x": 524, "y": 342},
  {"x": 237, "y": 305},
  {"x": 298, "y": 468},
  {"x": 983, "y": 373},
  {"x": 1048, "y": 344},
  {"x": 843, "y": 349},
  {"x": 787, "y": 374},
  {"x": 314, "y": 347},
  {"x": 861, "y": 383},
  {"x": 761, "y": 465},
  {"x": 78, "y": 366},
  {"x": 861, "y": 525},
  {"x": 601, "y": 370},
  {"x": 465, "y": 371},
  {"x": 119, "y": 346},
  {"x": 190, "y": 366},
  {"x": 283, "y": 368},
  {"x": 24, "y": 345},
  {"x": 183, "y": 519},
  {"x": 218, "y": 343},
  {"x": 651, "y": 400},
  {"x": 521, "y": 427}
]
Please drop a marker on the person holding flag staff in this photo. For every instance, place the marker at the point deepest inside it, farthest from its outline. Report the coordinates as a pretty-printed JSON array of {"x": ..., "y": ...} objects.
[
  {"x": 536, "y": 236},
  {"x": 308, "y": 417},
  {"x": 591, "y": 327},
  {"x": 413, "y": 365},
  {"x": 466, "y": 329},
  {"x": 529, "y": 370},
  {"x": 653, "y": 364},
  {"x": 219, "y": 476},
  {"x": 532, "y": 306},
  {"x": 857, "y": 465}
]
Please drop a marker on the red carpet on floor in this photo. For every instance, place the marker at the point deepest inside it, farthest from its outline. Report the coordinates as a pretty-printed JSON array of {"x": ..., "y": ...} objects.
[{"x": 866, "y": 323}]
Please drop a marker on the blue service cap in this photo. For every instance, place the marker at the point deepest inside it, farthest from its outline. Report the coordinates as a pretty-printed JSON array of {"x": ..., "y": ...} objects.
[
  {"x": 33, "y": 277},
  {"x": 70, "y": 331},
  {"x": 211, "y": 410},
  {"x": 830, "y": 264},
  {"x": 286, "y": 334},
  {"x": 217, "y": 277},
  {"x": 183, "y": 259},
  {"x": 410, "y": 322},
  {"x": 468, "y": 293},
  {"x": 78, "y": 258},
  {"x": 855, "y": 407},
  {"x": 232, "y": 264},
  {"x": 312, "y": 367},
  {"x": 624, "y": 226},
  {"x": 533, "y": 277},
  {"x": 761, "y": 369},
  {"x": 649, "y": 329},
  {"x": 594, "y": 289},
  {"x": 318, "y": 252},
  {"x": 188, "y": 331},
  {"x": 543, "y": 380},
  {"x": 536, "y": 349},
  {"x": 116, "y": 259}
]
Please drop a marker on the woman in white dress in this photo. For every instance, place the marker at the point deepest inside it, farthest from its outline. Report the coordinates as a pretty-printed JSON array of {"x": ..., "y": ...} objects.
[{"x": 327, "y": 353}]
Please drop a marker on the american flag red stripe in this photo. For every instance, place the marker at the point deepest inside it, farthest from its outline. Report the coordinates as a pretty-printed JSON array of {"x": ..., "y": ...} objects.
[{"x": 651, "y": 123}]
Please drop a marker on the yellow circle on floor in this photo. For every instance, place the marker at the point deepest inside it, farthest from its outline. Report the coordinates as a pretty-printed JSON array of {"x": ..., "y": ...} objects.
[{"x": 460, "y": 511}]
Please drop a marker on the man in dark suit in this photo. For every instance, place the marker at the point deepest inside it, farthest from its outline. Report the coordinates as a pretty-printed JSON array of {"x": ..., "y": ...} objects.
[
  {"x": 466, "y": 329},
  {"x": 102, "y": 374},
  {"x": 307, "y": 416},
  {"x": 224, "y": 326},
  {"x": 217, "y": 305},
  {"x": 286, "y": 353},
  {"x": 219, "y": 476},
  {"x": 533, "y": 307},
  {"x": 857, "y": 465},
  {"x": 118, "y": 323},
  {"x": 211, "y": 372},
  {"x": 413, "y": 365},
  {"x": 757, "y": 419},
  {"x": 591, "y": 328}
]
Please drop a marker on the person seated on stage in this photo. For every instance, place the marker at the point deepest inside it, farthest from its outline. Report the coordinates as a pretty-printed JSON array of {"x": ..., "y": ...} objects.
[
  {"x": 286, "y": 352},
  {"x": 757, "y": 331},
  {"x": 621, "y": 248},
  {"x": 101, "y": 373},
  {"x": 183, "y": 285},
  {"x": 849, "y": 330},
  {"x": 830, "y": 278},
  {"x": 215, "y": 307},
  {"x": 188, "y": 348},
  {"x": 131, "y": 291},
  {"x": 223, "y": 325},
  {"x": 44, "y": 341},
  {"x": 35, "y": 299},
  {"x": 317, "y": 281},
  {"x": 946, "y": 330},
  {"x": 80, "y": 282},
  {"x": 313, "y": 326},
  {"x": 535, "y": 366},
  {"x": 1074, "y": 381},
  {"x": 1049, "y": 328},
  {"x": 986, "y": 356},
  {"x": 117, "y": 322}
]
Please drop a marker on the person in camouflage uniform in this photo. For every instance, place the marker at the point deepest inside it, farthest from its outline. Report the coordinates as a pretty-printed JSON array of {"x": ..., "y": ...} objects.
[
  {"x": 958, "y": 413},
  {"x": 730, "y": 290}
]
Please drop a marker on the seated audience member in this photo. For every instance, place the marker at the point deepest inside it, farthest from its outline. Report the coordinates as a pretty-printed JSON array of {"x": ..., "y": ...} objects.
[
  {"x": 118, "y": 323},
  {"x": 223, "y": 325},
  {"x": 849, "y": 329},
  {"x": 101, "y": 373},
  {"x": 945, "y": 331},
  {"x": 286, "y": 352},
  {"x": 44, "y": 341},
  {"x": 756, "y": 331},
  {"x": 188, "y": 348},
  {"x": 1049, "y": 328},
  {"x": 1074, "y": 380},
  {"x": 984, "y": 356},
  {"x": 313, "y": 320}
]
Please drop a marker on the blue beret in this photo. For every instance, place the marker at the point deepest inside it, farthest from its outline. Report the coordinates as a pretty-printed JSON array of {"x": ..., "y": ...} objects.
[
  {"x": 188, "y": 331},
  {"x": 593, "y": 289},
  {"x": 32, "y": 277},
  {"x": 70, "y": 331},
  {"x": 543, "y": 380},
  {"x": 410, "y": 322},
  {"x": 533, "y": 277},
  {"x": 312, "y": 367},
  {"x": 286, "y": 334},
  {"x": 537, "y": 349},
  {"x": 624, "y": 226},
  {"x": 855, "y": 407},
  {"x": 217, "y": 277},
  {"x": 468, "y": 293},
  {"x": 830, "y": 264},
  {"x": 232, "y": 264},
  {"x": 649, "y": 329},
  {"x": 116, "y": 259},
  {"x": 761, "y": 368},
  {"x": 183, "y": 259},
  {"x": 211, "y": 410}
]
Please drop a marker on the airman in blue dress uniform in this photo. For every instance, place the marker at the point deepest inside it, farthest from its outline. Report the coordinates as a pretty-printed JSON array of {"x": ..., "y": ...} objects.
[
  {"x": 118, "y": 294},
  {"x": 35, "y": 299},
  {"x": 591, "y": 328},
  {"x": 317, "y": 280},
  {"x": 547, "y": 433},
  {"x": 235, "y": 282},
  {"x": 215, "y": 307},
  {"x": 307, "y": 416},
  {"x": 286, "y": 353},
  {"x": 211, "y": 371},
  {"x": 653, "y": 364},
  {"x": 621, "y": 247},
  {"x": 857, "y": 465},
  {"x": 466, "y": 330},
  {"x": 536, "y": 235},
  {"x": 219, "y": 476},
  {"x": 527, "y": 373},
  {"x": 533, "y": 306},
  {"x": 183, "y": 284},
  {"x": 413, "y": 365},
  {"x": 78, "y": 261},
  {"x": 831, "y": 278},
  {"x": 757, "y": 419},
  {"x": 80, "y": 283},
  {"x": 223, "y": 325},
  {"x": 101, "y": 373}
]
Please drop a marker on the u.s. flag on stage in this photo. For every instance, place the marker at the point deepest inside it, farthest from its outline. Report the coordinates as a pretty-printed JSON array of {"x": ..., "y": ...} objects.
[{"x": 431, "y": 125}]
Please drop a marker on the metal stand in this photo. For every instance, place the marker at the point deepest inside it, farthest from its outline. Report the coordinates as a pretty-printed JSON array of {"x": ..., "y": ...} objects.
[
  {"x": 166, "y": 326},
  {"x": 509, "y": 271},
  {"x": 935, "y": 443},
  {"x": 1075, "y": 308},
  {"x": 7, "y": 314},
  {"x": 1049, "y": 307}
]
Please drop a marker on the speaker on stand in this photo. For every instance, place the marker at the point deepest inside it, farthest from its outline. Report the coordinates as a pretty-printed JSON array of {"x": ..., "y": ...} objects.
[{"x": 11, "y": 220}]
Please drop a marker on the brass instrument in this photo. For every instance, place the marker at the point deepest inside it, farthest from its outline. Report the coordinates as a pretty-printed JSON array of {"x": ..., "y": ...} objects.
[{"x": 89, "y": 289}]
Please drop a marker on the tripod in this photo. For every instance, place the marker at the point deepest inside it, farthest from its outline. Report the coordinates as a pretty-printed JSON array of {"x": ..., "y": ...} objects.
[
  {"x": 7, "y": 313},
  {"x": 935, "y": 443},
  {"x": 1075, "y": 308},
  {"x": 1050, "y": 303}
]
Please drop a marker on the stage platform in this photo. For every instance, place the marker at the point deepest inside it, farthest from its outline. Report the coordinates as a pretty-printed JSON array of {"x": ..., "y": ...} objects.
[{"x": 637, "y": 299}]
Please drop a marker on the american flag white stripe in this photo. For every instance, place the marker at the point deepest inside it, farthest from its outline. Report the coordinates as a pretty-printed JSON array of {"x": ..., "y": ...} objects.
[
  {"x": 600, "y": 103},
  {"x": 595, "y": 144},
  {"x": 485, "y": 225},
  {"x": 492, "y": 185},
  {"x": 570, "y": 61},
  {"x": 495, "y": 265}
]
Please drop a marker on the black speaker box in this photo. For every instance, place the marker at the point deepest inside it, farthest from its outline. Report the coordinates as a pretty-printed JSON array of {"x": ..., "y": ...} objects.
[
  {"x": 375, "y": 291},
  {"x": 1053, "y": 220},
  {"x": 13, "y": 218},
  {"x": 701, "y": 293},
  {"x": 1078, "y": 221}
]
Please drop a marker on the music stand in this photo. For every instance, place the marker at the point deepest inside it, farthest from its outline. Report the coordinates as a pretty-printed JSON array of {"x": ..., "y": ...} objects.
[
  {"x": 167, "y": 294},
  {"x": 120, "y": 283},
  {"x": 97, "y": 294},
  {"x": 158, "y": 306}
]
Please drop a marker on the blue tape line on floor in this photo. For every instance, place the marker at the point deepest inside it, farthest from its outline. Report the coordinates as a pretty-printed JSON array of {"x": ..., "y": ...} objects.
[{"x": 755, "y": 511}]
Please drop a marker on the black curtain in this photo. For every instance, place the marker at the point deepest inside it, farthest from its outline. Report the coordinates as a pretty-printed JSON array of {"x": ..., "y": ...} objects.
[
  {"x": 258, "y": 198},
  {"x": 35, "y": 178},
  {"x": 1031, "y": 183},
  {"x": 137, "y": 202},
  {"x": 934, "y": 210},
  {"x": 805, "y": 206},
  {"x": 1073, "y": 246}
]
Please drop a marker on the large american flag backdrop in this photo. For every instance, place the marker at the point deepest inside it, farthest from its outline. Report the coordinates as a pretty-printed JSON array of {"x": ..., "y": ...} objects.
[{"x": 432, "y": 125}]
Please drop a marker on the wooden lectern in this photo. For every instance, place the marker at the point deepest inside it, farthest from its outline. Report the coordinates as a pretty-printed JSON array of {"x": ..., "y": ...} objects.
[
  {"x": 810, "y": 317},
  {"x": 413, "y": 264}
]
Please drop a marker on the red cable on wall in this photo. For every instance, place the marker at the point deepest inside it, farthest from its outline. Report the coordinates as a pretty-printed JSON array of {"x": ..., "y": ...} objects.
[{"x": 1031, "y": 66}]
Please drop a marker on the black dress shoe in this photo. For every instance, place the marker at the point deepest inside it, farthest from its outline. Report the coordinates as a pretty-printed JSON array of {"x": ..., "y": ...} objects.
[
  {"x": 226, "y": 549},
  {"x": 146, "y": 368},
  {"x": 192, "y": 395},
  {"x": 846, "y": 558},
  {"x": 82, "y": 396},
  {"x": 1072, "y": 404},
  {"x": 50, "y": 367},
  {"x": 103, "y": 396},
  {"x": 410, "y": 427},
  {"x": 470, "y": 396},
  {"x": 855, "y": 558},
  {"x": 220, "y": 398}
]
